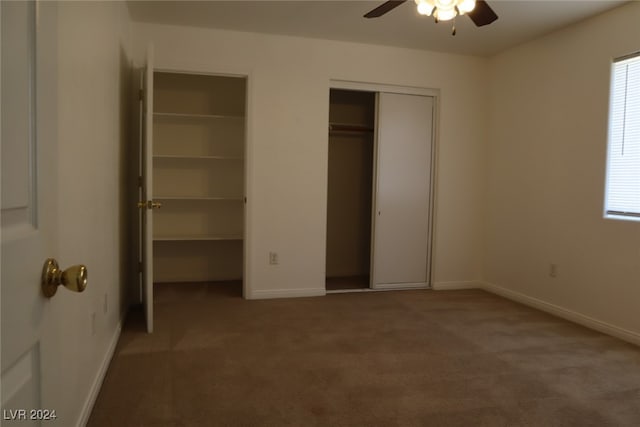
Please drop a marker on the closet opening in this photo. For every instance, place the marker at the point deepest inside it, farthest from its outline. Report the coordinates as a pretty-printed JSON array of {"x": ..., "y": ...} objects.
[
  {"x": 198, "y": 175},
  {"x": 352, "y": 116}
]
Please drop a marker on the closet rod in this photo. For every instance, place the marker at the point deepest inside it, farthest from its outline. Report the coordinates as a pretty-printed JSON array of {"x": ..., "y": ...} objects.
[{"x": 342, "y": 127}]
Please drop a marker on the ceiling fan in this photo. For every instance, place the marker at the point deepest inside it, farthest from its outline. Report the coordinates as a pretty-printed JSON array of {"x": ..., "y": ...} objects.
[{"x": 443, "y": 10}]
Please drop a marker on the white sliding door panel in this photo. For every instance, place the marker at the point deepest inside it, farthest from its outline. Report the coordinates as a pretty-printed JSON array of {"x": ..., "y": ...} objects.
[{"x": 403, "y": 190}]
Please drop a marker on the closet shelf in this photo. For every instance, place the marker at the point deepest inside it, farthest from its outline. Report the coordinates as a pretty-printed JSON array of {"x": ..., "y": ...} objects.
[
  {"x": 185, "y": 157},
  {"x": 187, "y": 238},
  {"x": 197, "y": 198},
  {"x": 196, "y": 116},
  {"x": 346, "y": 127}
]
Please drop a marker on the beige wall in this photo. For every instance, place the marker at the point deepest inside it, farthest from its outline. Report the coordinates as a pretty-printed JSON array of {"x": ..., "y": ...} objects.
[
  {"x": 287, "y": 153},
  {"x": 546, "y": 172},
  {"x": 520, "y": 159},
  {"x": 94, "y": 79}
]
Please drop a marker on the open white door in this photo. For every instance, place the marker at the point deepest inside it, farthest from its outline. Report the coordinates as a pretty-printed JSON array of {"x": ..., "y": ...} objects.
[
  {"x": 146, "y": 204},
  {"x": 401, "y": 249},
  {"x": 29, "y": 212}
]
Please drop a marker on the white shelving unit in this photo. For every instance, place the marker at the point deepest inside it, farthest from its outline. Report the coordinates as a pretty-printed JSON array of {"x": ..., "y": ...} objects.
[
  {"x": 196, "y": 198},
  {"x": 198, "y": 175},
  {"x": 218, "y": 237},
  {"x": 174, "y": 157}
]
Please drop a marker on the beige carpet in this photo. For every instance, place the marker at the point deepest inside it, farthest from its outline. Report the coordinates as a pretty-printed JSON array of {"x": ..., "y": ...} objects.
[{"x": 407, "y": 358}]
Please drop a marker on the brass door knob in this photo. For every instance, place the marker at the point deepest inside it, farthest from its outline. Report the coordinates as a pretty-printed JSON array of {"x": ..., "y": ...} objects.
[
  {"x": 73, "y": 278},
  {"x": 149, "y": 205}
]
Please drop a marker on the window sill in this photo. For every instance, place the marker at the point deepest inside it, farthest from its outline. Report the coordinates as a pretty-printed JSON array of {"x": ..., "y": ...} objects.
[{"x": 622, "y": 217}]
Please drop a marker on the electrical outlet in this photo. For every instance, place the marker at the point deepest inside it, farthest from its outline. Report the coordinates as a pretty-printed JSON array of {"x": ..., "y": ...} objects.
[
  {"x": 105, "y": 305},
  {"x": 273, "y": 258},
  {"x": 553, "y": 270}
]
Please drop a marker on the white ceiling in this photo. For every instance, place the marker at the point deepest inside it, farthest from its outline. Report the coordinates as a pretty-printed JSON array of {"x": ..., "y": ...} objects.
[{"x": 519, "y": 21}]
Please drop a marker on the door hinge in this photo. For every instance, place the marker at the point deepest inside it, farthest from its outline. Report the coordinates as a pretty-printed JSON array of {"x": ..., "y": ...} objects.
[
  {"x": 139, "y": 181},
  {"x": 139, "y": 267},
  {"x": 141, "y": 94}
]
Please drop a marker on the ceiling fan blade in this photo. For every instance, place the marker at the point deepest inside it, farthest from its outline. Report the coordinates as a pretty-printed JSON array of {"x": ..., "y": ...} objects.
[
  {"x": 482, "y": 14},
  {"x": 384, "y": 8}
]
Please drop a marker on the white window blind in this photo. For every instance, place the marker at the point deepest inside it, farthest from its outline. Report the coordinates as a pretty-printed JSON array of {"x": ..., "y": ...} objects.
[{"x": 623, "y": 160}]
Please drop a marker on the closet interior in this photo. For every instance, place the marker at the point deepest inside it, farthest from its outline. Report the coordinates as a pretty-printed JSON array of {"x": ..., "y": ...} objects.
[
  {"x": 198, "y": 177},
  {"x": 350, "y": 187}
]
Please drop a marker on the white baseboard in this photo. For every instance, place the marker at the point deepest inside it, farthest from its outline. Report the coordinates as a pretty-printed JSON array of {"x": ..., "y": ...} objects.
[
  {"x": 287, "y": 293},
  {"x": 97, "y": 381},
  {"x": 567, "y": 314},
  {"x": 449, "y": 286}
]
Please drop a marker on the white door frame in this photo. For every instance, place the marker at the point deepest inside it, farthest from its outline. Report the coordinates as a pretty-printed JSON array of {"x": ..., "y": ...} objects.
[
  {"x": 145, "y": 189},
  {"x": 407, "y": 90}
]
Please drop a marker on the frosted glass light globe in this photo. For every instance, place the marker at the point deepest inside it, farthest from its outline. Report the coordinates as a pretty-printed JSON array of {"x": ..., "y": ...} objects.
[
  {"x": 445, "y": 14},
  {"x": 425, "y": 8},
  {"x": 466, "y": 6}
]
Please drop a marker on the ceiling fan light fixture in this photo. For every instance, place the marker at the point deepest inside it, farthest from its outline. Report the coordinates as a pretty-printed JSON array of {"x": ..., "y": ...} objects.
[{"x": 445, "y": 10}]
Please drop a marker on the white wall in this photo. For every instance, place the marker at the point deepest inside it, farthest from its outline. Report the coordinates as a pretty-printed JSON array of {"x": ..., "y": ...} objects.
[
  {"x": 93, "y": 88},
  {"x": 287, "y": 153},
  {"x": 546, "y": 173}
]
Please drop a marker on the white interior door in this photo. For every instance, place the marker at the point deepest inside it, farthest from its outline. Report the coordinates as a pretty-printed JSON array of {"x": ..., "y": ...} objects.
[
  {"x": 29, "y": 210},
  {"x": 403, "y": 191},
  {"x": 146, "y": 203}
]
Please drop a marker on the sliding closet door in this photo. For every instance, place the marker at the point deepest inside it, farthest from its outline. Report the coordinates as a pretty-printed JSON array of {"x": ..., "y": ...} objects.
[{"x": 403, "y": 191}]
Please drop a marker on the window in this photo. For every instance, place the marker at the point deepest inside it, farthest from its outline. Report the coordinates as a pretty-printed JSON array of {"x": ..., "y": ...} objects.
[{"x": 622, "y": 199}]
